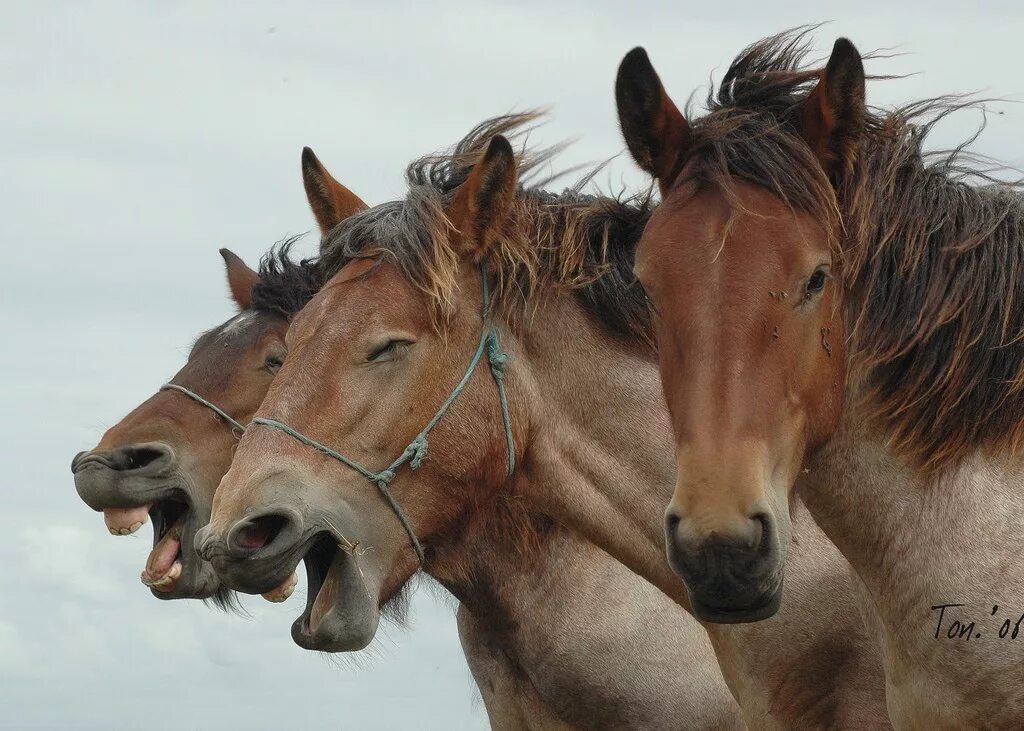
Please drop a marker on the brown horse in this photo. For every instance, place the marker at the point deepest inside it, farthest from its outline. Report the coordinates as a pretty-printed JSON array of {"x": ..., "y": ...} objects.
[
  {"x": 164, "y": 459},
  {"x": 387, "y": 341},
  {"x": 544, "y": 651},
  {"x": 840, "y": 317}
]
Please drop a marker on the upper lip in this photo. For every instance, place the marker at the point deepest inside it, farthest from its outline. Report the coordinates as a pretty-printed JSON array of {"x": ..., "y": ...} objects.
[{"x": 84, "y": 459}]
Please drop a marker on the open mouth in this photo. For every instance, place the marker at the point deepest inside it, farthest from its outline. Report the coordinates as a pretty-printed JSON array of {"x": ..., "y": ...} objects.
[
  {"x": 164, "y": 565},
  {"x": 342, "y": 609},
  {"x": 322, "y": 575}
]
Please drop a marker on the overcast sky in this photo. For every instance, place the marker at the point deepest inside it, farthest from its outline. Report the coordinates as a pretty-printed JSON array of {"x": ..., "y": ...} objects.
[{"x": 138, "y": 138}]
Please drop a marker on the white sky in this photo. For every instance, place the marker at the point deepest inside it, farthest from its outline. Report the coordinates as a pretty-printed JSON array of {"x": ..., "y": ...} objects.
[{"x": 138, "y": 138}]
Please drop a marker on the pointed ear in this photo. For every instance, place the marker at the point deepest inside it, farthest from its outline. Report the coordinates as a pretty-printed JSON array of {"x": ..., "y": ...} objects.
[
  {"x": 482, "y": 205},
  {"x": 331, "y": 201},
  {"x": 832, "y": 118},
  {"x": 241, "y": 279},
  {"x": 656, "y": 132}
]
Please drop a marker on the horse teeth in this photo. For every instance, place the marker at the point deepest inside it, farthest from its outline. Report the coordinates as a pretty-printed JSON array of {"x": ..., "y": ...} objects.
[
  {"x": 164, "y": 581},
  {"x": 135, "y": 526}
]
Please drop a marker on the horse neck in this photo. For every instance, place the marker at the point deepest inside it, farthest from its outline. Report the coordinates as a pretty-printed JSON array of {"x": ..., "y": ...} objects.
[
  {"x": 604, "y": 472},
  {"x": 600, "y": 459},
  {"x": 912, "y": 538},
  {"x": 571, "y": 625}
]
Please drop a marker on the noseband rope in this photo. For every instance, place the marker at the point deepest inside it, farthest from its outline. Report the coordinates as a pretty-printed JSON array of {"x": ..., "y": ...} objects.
[
  {"x": 417, "y": 449},
  {"x": 235, "y": 425}
]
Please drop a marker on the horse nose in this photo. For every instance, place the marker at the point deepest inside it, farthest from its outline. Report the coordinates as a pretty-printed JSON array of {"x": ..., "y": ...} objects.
[
  {"x": 141, "y": 459},
  {"x": 743, "y": 535},
  {"x": 256, "y": 553},
  {"x": 266, "y": 534},
  {"x": 727, "y": 566},
  {"x": 76, "y": 459},
  {"x": 121, "y": 477}
]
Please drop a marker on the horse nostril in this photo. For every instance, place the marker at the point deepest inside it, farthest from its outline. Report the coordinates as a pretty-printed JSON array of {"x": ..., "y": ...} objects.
[
  {"x": 138, "y": 456},
  {"x": 762, "y": 532},
  {"x": 150, "y": 456},
  {"x": 261, "y": 532},
  {"x": 672, "y": 521}
]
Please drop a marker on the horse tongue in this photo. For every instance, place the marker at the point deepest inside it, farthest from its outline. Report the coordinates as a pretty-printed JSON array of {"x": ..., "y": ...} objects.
[
  {"x": 327, "y": 596},
  {"x": 162, "y": 567},
  {"x": 124, "y": 521}
]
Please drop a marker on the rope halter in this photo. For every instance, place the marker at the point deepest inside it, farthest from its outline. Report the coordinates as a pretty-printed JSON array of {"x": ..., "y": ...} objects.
[{"x": 416, "y": 451}]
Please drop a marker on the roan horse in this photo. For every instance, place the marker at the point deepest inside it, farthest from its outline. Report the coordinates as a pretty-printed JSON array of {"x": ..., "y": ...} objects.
[
  {"x": 841, "y": 318},
  {"x": 385, "y": 342},
  {"x": 544, "y": 650}
]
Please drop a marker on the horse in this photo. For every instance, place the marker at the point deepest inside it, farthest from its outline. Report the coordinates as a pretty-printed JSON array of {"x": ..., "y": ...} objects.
[
  {"x": 543, "y": 651},
  {"x": 840, "y": 319},
  {"x": 482, "y": 353},
  {"x": 163, "y": 461}
]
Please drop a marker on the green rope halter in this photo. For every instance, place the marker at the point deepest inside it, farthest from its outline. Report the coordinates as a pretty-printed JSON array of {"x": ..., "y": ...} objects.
[
  {"x": 235, "y": 425},
  {"x": 416, "y": 451}
]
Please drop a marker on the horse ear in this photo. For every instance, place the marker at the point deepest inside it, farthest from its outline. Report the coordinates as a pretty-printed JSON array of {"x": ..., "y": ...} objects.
[
  {"x": 482, "y": 204},
  {"x": 331, "y": 201},
  {"x": 241, "y": 279},
  {"x": 656, "y": 132},
  {"x": 832, "y": 118}
]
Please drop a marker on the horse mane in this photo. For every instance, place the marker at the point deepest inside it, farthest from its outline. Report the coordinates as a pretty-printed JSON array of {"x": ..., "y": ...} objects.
[
  {"x": 285, "y": 285},
  {"x": 567, "y": 240},
  {"x": 930, "y": 247}
]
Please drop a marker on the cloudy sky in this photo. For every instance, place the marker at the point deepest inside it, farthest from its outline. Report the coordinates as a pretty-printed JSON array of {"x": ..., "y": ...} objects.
[{"x": 138, "y": 138}]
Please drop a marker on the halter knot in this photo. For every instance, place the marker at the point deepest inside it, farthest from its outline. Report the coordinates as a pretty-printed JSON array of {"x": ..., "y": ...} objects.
[
  {"x": 417, "y": 450},
  {"x": 384, "y": 478},
  {"x": 498, "y": 358}
]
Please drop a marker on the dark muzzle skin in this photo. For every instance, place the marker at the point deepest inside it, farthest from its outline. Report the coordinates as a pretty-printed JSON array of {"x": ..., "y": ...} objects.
[
  {"x": 732, "y": 578},
  {"x": 147, "y": 476},
  {"x": 126, "y": 477},
  {"x": 259, "y": 551}
]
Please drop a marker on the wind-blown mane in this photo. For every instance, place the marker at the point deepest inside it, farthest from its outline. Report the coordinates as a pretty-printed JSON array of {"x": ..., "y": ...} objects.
[
  {"x": 285, "y": 285},
  {"x": 569, "y": 240},
  {"x": 930, "y": 248}
]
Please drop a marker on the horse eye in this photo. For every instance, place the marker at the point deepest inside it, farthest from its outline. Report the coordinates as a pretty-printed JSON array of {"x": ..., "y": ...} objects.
[
  {"x": 816, "y": 283},
  {"x": 273, "y": 362},
  {"x": 388, "y": 350}
]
